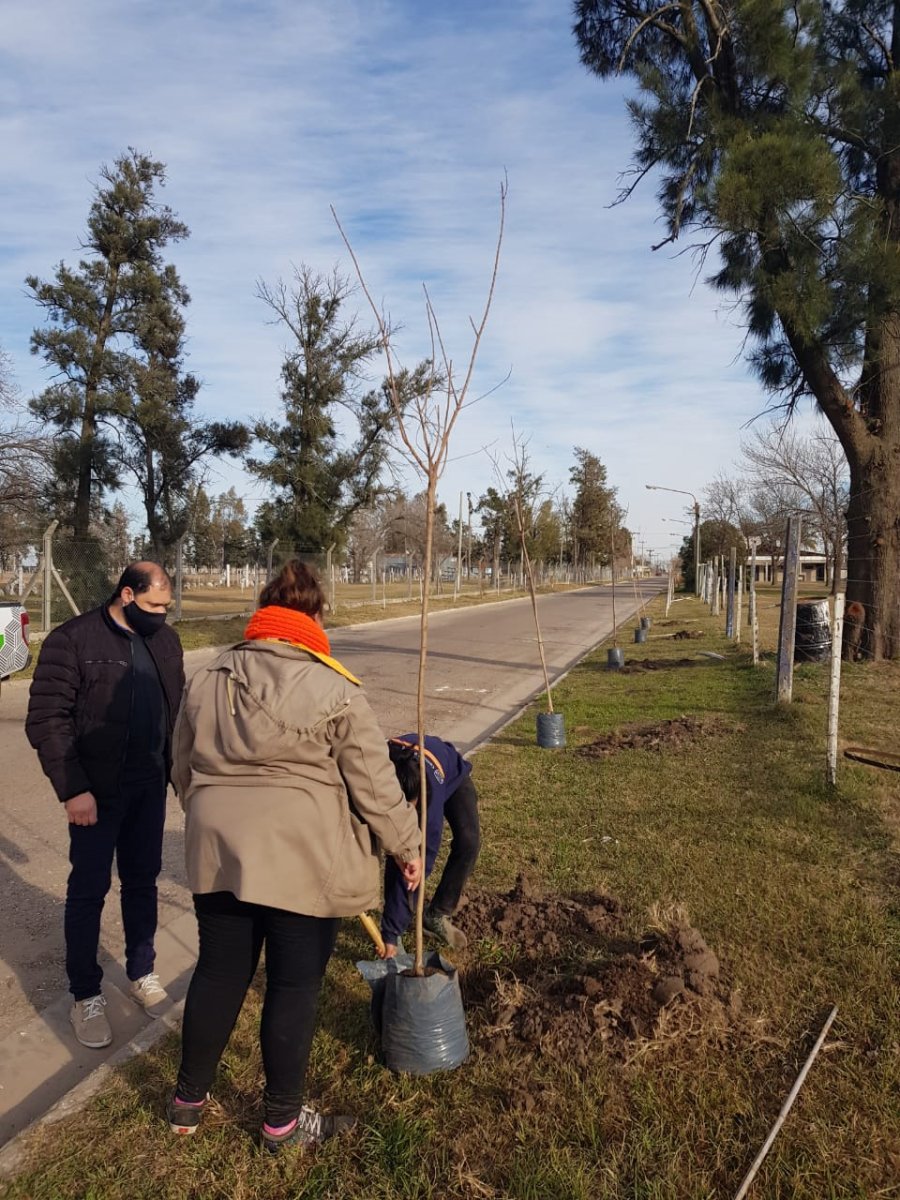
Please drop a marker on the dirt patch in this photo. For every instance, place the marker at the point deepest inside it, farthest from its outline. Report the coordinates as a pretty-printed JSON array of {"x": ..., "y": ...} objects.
[
  {"x": 685, "y": 635},
  {"x": 570, "y": 981},
  {"x": 657, "y": 664},
  {"x": 673, "y": 734}
]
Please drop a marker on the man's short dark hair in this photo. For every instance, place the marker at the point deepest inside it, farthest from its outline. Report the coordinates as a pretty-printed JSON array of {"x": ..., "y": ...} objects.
[
  {"x": 406, "y": 764},
  {"x": 139, "y": 577}
]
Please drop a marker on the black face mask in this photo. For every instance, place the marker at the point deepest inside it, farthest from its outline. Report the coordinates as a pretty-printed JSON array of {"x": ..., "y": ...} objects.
[{"x": 143, "y": 622}]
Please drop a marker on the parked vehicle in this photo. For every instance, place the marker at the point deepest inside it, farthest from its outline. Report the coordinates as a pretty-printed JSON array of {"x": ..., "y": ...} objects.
[{"x": 14, "y": 654}]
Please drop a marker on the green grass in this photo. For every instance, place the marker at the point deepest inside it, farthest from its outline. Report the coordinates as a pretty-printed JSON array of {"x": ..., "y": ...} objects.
[{"x": 793, "y": 885}]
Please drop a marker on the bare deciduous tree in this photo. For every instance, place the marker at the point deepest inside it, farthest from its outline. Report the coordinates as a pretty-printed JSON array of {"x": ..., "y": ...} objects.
[
  {"x": 812, "y": 472},
  {"x": 24, "y": 454},
  {"x": 425, "y": 423}
]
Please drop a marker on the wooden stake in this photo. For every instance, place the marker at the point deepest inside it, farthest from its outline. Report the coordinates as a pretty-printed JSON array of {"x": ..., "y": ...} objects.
[{"x": 785, "y": 1109}]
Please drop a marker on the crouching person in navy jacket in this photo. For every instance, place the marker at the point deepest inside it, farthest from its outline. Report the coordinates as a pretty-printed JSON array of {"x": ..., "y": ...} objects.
[{"x": 451, "y": 796}]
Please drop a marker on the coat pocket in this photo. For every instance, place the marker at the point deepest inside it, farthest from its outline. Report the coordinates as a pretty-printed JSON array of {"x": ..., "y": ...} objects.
[{"x": 354, "y": 871}]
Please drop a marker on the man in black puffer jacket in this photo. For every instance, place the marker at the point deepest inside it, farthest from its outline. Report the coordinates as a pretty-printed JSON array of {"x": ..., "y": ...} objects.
[{"x": 102, "y": 707}]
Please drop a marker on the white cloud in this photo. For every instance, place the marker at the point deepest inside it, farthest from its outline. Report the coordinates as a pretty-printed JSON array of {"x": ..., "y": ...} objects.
[{"x": 404, "y": 116}]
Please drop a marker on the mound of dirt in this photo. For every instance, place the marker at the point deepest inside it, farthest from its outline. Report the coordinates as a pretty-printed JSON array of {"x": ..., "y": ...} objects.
[
  {"x": 684, "y": 635},
  {"x": 657, "y": 664},
  {"x": 570, "y": 982},
  {"x": 662, "y": 735}
]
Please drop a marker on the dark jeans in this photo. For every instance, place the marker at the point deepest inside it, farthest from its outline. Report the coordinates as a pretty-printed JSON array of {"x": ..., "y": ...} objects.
[
  {"x": 461, "y": 814},
  {"x": 232, "y": 935},
  {"x": 130, "y": 829}
]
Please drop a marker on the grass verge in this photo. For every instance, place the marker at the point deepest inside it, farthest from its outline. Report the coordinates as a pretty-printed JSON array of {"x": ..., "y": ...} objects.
[{"x": 793, "y": 886}]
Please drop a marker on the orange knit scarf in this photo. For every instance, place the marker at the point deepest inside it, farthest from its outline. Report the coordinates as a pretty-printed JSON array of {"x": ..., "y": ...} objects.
[{"x": 276, "y": 624}]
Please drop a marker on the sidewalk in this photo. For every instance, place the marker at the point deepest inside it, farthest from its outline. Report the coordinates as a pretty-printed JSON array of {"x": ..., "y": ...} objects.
[{"x": 41, "y": 1063}]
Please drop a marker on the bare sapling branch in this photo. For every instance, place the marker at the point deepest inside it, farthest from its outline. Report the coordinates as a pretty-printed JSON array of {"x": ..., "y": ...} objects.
[{"x": 424, "y": 429}]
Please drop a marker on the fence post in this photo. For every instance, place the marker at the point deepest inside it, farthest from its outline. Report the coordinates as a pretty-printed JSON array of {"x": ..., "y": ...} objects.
[
  {"x": 716, "y": 593},
  {"x": 787, "y": 625},
  {"x": 329, "y": 577},
  {"x": 739, "y": 603},
  {"x": 751, "y": 582},
  {"x": 729, "y": 595},
  {"x": 46, "y": 615},
  {"x": 179, "y": 575},
  {"x": 834, "y": 691},
  {"x": 270, "y": 551},
  {"x": 751, "y": 606}
]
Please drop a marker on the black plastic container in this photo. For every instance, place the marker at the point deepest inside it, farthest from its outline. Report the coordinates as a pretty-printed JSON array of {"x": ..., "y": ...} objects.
[
  {"x": 812, "y": 641},
  {"x": 551, "y": 730}
]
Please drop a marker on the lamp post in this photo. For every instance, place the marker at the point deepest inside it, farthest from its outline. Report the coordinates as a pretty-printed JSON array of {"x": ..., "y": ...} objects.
[
  {"x": 655, "y": 487},
  {"x": 469, "y": 538}
]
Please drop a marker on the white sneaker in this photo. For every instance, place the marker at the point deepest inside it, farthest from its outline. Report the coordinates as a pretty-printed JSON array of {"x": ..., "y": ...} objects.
[
  {"x": 90, "y": 1023},
  {"x": 149, "y": 993}
]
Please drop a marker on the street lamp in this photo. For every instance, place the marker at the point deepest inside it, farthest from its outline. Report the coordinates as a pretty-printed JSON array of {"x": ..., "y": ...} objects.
[
  {"x": 469, "y": 538},
  {"x": 655, "y": 487}
]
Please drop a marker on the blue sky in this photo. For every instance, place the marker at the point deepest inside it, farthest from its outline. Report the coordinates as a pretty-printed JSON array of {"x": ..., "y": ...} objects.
[{"x": 404, "y": 115}]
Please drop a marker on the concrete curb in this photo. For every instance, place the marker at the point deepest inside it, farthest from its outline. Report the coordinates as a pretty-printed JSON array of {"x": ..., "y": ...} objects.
[{"x": 15, "y": 1153}]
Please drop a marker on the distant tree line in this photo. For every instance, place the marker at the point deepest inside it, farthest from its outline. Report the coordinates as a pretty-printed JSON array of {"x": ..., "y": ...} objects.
[{"x": 121, "y": 411}]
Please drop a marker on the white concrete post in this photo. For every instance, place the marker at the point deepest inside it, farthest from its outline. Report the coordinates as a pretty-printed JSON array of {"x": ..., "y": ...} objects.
[{"x": 834, "y": 691}]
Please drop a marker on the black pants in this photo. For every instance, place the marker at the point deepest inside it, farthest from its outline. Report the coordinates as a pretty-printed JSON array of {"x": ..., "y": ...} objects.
[
  {"x": 461, "y": 814},
  {"x": 130, "y": 829},
  {"x": 232, "y": 935}
]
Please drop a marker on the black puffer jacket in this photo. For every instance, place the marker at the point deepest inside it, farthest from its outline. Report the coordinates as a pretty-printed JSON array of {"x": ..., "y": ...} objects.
[{"x": 79, "y": 709}]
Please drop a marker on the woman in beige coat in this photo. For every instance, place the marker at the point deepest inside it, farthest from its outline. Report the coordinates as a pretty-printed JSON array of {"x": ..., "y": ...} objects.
[{"x": 288, "y": 791}]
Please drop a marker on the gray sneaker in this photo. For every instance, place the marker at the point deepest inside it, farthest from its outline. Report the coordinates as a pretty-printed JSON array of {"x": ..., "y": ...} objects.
[
  {"x": 441, "y": 926},
  {"x": 149, "y": 993},
  {"x": 310, "y": 1129},
  {"x": 90, "y": 1023}
]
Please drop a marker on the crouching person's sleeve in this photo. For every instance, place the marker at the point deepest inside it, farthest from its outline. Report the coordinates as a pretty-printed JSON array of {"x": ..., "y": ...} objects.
[{"x": 360, "y": 750}]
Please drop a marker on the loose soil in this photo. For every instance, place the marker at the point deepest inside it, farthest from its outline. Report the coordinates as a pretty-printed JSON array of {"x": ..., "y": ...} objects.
[
  {"x": 570, "y": 982},
  {"x": 675, "y": 734},
  {"x": 657, "y": 664}
]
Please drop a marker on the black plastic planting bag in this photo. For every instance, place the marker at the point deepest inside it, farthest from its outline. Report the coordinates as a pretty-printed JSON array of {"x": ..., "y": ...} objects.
[{"x": 420, "y": 1019}]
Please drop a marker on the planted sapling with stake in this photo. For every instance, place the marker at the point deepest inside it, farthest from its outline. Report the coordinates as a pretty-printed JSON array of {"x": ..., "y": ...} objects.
[
  {"x": 425, "y": 422},
  {"x": 550, "y": 728}
]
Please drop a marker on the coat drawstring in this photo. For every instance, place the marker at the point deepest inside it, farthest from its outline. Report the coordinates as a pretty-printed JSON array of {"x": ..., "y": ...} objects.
[{"x": 229, "y": 688}]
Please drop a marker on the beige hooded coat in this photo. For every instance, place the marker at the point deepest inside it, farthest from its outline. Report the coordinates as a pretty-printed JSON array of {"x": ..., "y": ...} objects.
[{"x": 286, "y": 784}]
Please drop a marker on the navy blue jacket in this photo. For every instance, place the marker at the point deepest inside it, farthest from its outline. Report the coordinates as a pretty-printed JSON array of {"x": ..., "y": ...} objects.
[{"x": 445, "y": 770}]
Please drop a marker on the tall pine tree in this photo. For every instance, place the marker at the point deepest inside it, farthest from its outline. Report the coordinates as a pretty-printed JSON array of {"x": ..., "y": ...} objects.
[
  {"x": 325, "y": 458},
  {"x": 94, "y": 313},
  {"x": 775, "y": 128}
]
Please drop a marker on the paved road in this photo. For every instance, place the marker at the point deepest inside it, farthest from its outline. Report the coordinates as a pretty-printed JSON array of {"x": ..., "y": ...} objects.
[{"x": 483, "y": 666}]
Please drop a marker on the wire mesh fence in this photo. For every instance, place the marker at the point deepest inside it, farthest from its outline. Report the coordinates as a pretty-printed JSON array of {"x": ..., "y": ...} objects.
[{"x": 57, "y": 577}]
